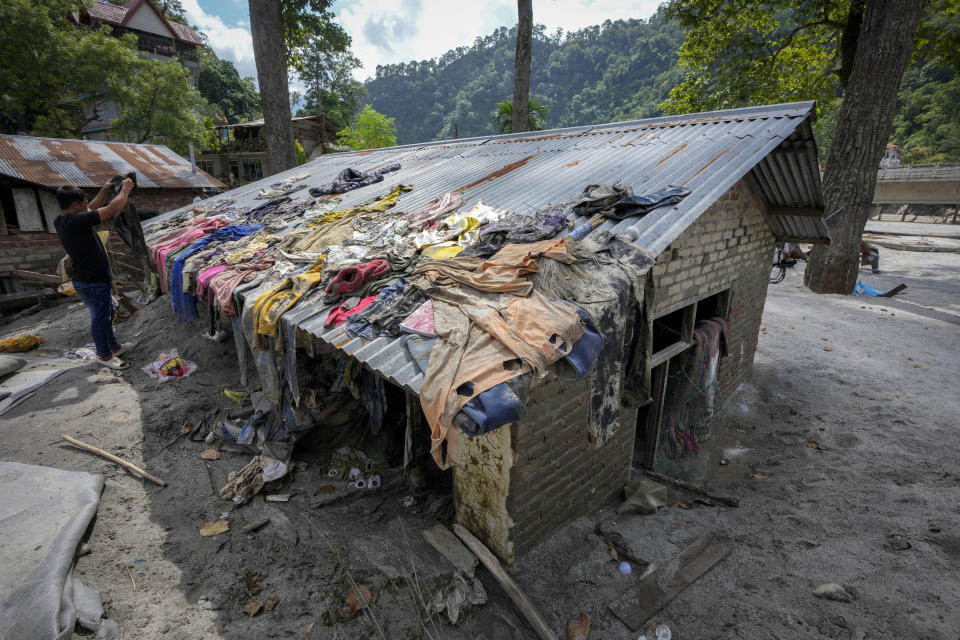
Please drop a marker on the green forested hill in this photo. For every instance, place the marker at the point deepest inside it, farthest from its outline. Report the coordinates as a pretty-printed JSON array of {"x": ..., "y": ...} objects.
[{"x": 615, "y": 71}]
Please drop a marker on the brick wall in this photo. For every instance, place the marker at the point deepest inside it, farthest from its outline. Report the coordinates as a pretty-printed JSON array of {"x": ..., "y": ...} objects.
[
  {"x": 161, "y": 200},
  {"x": 31, "y": 251},
  {"x": 730, "y": 247},
  {"x": 544, "y": 470}
]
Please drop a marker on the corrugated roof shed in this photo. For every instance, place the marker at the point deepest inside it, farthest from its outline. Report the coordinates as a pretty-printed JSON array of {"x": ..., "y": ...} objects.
[
  {"x": 706, "y": 152},
  {"x": 120, "y": 14},
  {"x": 52, "y": 162}
]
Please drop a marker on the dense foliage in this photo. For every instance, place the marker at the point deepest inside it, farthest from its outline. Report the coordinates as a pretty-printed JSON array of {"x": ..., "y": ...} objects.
[
  {"x": 614, "y": 71},
  {"x": 370, "y": 130},
  {"x": 626, "y": 69}
]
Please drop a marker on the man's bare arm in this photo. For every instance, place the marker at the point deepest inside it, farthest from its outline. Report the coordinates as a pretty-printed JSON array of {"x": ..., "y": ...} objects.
[
  {"x": 116, "y": 205},
  {"x": 101, "y": 198}
]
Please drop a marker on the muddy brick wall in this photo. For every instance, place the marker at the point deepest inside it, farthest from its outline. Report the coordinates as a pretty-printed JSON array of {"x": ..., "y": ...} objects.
[
  {"x": 556, "y": 472},
  {"x": 157, "y": 200},
  {"x": 31, "y": 251},
  {"x": 730, "y": 247}
]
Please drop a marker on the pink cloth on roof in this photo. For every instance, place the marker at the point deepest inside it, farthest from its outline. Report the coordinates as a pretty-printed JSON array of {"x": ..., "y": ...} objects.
[
  {"x": 338, "y": 315},
  {"x": 204, "y": 277},
  {"x": 222, "y": 285},
  {"x": 162, "y": 252}
]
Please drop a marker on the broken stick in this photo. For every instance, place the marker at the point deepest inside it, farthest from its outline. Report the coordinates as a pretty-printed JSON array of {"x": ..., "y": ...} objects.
[
  {"x": 513, "y": 590},
  {"x": 132, "y": 468},
  {"x": 679, "y": 484},
  {"x": 253, "y": 526}
]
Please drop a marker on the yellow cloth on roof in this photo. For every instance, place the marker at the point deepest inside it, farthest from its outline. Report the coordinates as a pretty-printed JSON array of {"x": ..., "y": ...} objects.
[
  {"x": 441, "y": 251},
  {"x": 270, "y": 306}
]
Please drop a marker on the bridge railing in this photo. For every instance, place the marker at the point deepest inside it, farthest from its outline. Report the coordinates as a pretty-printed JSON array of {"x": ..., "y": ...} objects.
[{"x": 915, "y": 172}]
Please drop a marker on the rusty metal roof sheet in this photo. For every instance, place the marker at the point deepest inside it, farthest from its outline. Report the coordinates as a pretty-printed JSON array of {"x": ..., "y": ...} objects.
[
  {"x": 706, "y": 152},
  {"x": 52, "y": 162},
  {"x": 120, "y": 14}
]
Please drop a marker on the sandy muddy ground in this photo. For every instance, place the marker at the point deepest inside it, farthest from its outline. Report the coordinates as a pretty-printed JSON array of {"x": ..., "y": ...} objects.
[{"x": 878, "y": 511}]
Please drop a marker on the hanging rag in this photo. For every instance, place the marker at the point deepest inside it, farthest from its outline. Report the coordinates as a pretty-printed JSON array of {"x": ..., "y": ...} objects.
[
  {"x": 343, "y": 311},
  {"x": 603, "y": 199},
  {"x": 127, "y": 223},
  {"x": 350, "y": 179}
]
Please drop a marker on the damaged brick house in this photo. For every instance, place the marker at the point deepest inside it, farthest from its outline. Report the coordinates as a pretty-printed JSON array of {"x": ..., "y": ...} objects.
[
  {"x": 32, "y": 168},
  {"x": 667, "y": 276}
]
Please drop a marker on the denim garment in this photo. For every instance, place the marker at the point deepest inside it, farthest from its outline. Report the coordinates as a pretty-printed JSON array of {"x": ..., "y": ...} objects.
[{"x": 99, "y": 300}]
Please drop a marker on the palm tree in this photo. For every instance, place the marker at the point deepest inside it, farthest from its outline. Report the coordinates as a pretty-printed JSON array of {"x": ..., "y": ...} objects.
[{"x": 536, "y": 115}]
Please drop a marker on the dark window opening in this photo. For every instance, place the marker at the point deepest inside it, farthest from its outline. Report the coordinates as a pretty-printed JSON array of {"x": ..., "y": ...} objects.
[
  {"x": 713, "y": 307},
  {"x": 667, "y": 330},
  {"x": 9, "y": 208}
]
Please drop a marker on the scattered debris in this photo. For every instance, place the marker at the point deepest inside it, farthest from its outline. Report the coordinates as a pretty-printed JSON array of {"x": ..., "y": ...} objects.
[
  {"x": 214, "y": 528},
  {"x": 828, "y": 348},
  {"x": 519, "y": 598},
  {"x": 408, "y": 501},
  {"x": 643, "y": 496},
  {"x": 833, "y": 591},
  {"x": 625, "y": 568},
  {"x": 463, "y": 590},
  {"x": 327, "y": 488},
  {"x": 898, "y": 542},
  {"x": 579, "y": 627},
  {"x": 679, "y": 484},
  {"x": 657, "y": 631},
  {"x": 244, "y": 484},
  {"x": 19, "y": 344},
  {"x": 357, "y": 598},
  {"x": 169, "y": 365},
  {"x": 252, "y": 608},
  {"x": 86, "y": 352},
  {"x": 134, "y": 469},
  {"x": 813, "y": 444},
  {"x": 658, "y": 587},
  {"x": 271, "y": 603},
  {"x": 253, "y": 526},
  {"x": 210, "y": 454},
  {"x": 760, "y": 476},
  {"x": 277, "y": 497},
  {"x": 680, "y": 504},
  {"x": 237, "y": 395},
  {"x": 186, "y": 428}
]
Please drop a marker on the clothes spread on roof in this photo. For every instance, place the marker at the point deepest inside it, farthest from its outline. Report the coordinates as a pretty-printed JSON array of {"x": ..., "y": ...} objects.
[
  {"x": 488, "y": 300},
  {"x": 350, "y": 179},
  {"x": 617, "y": 201},
  {"x": 282, "y": 188}
]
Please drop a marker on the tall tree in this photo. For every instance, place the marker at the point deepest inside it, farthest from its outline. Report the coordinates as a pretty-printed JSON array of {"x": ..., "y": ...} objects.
[
  {"x": 331, "y": 89},
  {"x": 234, "y": 98},
  {"x": 370, "y": 130},
  {"x": 536, "y": 116},
  {"x": 863, "y": 127},
  {"x": 266, "y": 27},
  {"x": 521, "y": 64},
  {"x": 763, "y": 51}
]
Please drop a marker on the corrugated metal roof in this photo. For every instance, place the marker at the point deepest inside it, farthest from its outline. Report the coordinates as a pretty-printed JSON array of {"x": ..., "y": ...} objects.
[
  {"x": 706, "y": 152},
  {"x": 52, "y": 162},
  {"x": 119, "y": 14}
]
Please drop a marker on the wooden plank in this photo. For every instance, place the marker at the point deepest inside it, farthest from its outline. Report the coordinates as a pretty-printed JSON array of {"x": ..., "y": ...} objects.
[
  {"x": 519, "y": 598},
  {"x": 655, "y": 415},
  {"x": 28, "y": 214},
  {"x": 443, "y": 540},
  {"x": 657, "y": 588},
  {"x": 665, "y": 354},
  {"x": 33, "y": 276},
  {"x": 50, "y": 206},
  {"x": 689, "y": 320}
]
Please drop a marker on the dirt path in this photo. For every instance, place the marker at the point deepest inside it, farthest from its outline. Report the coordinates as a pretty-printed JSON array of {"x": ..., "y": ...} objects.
[{"x": 874, "y": 380}]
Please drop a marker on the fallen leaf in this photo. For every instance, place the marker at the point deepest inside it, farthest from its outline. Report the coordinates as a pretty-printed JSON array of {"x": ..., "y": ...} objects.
[
  {"x": 813, "y": 444},
  {"x": 210, "y": 454},
  {"x": 186, "y": 428},
  {"x": 214, "y": 527},
  {"x": 252, "y": 608},
  {"x": 910, "y": 359},
  {"x": 828, "y": 348},
  {"x": 682, "y": 505},
  {"x": 760, "y": 476},
  {"x": 357, "y": 599},
  {"x": 613, "y": 551},
  {"x": 934, "y": 529},
  {"x": 917, "y": 366},
  {"x": 309, "y": 634},
  {"x": 679, "y": 523},
  {"x": 327, "y": 488},
  {"x": 271, "y": 603}
]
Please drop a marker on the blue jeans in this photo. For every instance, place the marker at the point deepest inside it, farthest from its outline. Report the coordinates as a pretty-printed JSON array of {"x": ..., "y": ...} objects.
[{"x": 99, "y": 300}]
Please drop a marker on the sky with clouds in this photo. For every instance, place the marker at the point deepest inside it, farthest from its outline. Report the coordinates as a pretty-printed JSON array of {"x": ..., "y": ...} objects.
[{"x": 403, "y": 30}]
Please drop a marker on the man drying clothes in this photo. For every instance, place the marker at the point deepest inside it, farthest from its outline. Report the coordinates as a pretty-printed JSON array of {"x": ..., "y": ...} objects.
[{"x": 91, "y": 269}]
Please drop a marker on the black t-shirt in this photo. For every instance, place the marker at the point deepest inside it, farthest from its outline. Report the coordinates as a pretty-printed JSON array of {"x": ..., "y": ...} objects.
[{"x": 79, "y": 238}]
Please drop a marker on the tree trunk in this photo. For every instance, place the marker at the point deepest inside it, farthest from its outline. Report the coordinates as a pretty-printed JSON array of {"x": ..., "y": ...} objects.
[
  {"x": 266, "y": 27},
  {"x": 521, "y": 66},
  {"x": 863, "y": 128}
]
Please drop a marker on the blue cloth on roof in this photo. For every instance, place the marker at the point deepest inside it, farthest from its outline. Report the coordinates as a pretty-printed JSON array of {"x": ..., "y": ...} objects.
[
  {"x": 359, "y": 325},
  {"x": 585, "y": 350},
  {"x": 183, "y": 304}
]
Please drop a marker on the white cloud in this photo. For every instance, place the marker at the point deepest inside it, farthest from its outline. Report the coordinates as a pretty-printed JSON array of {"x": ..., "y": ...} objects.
[
  {"x": 230, "y": 43},
  {"x": 388, "y": 32}
]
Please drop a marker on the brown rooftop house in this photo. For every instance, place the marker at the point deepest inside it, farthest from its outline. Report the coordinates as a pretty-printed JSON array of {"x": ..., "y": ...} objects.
[
  {"x": 157, "y": 38},
  {"x": 32, "y": 168},
  {"x": 242, "y": 156},
  {"x": 680, "y": 322}
]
